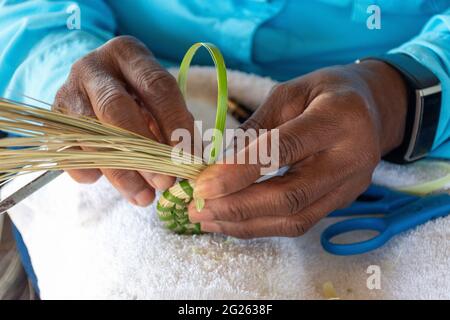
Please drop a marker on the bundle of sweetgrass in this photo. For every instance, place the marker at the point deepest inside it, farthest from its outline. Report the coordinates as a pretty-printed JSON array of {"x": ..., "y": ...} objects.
[{"x": 50, "y": 140}]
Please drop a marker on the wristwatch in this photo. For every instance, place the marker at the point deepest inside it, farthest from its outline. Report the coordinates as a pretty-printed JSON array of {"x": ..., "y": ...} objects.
[{"x": 424, "y": 106}]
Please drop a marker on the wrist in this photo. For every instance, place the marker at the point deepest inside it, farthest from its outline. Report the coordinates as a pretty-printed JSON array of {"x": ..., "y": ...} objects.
[{"x": 389, "y": 95}]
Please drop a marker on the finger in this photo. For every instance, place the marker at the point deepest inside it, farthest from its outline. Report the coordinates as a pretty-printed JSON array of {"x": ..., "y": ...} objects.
[
  {"x": 285, "y": 101},
  {"x": 152, "y": 124},
  {"x": 298, "y": 139},
  {"x": 69, "y": 100},
  {"x": 289, "y": 226},
  {"x": 93, "y": 92},
  {"x": 112, "y": 104},
  {"x": 157, "y": 181},
  {"x": 131, "y": 185},
  {"x": 305, "y": 183},
  {"x": 154, "y": 85},
  {"x": 86, "y": 176}
]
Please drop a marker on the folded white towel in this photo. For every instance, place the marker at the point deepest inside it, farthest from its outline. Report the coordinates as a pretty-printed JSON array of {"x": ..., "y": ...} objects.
[{"x": 85, "y": 241}]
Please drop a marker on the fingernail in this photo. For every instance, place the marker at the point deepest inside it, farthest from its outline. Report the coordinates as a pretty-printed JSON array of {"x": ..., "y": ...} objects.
[
  {"x": 132, "y": 201},
  {"x": 149, "y": 176},
  {"x": 144, "y": 198},
  {"x": 193, "y": 213},
  {"x": 162, "y": 182}
]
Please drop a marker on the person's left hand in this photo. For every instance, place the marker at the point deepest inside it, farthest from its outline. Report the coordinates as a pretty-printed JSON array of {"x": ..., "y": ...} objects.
[{"x": 334, "y": 125}]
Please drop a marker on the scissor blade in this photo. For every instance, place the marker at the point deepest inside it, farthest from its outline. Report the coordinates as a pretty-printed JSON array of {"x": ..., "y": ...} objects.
[{"x": 28, "y": 190}]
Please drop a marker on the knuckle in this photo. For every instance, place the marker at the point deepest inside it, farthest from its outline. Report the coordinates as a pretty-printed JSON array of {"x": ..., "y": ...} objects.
[
  {"x": 120, "y": 43},
  {"x": 86, "y": 72},
  {"x": 78, "y": 65},
  {"x": 157, "y": 83},
  {"x": 293, "y": 228},
  {"x": 122, "y": 178},
  {"x": 220, "y": 187},
  {"x": 61, "y": 96},
  {"x": 236, "y": 211},
  {"x": 280, "y": 90},
  {"x": 297, "y": 198},
  {"x": 82, "y": 64},
  {"x": 107, "y": 95},
  {"x": 355, "y": 109},
  {"x": 70, "y": 100},
  {"x": 252, "y": 123},
  {"x": 125, "y": 48},
  {"x": 291, "y": 147},
  {"x": 301, "y": 224},
  {"x": 290, "y": 98}
]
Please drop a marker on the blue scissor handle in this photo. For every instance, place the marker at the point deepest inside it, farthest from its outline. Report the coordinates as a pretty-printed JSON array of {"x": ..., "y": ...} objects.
[
  {"x": 377, "y": 224},
  {"x": 407, "y": 217},
  {"x": 375, "y": 200}
]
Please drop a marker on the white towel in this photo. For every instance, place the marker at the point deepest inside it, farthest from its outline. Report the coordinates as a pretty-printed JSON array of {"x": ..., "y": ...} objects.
[{"x": 85, "y": 241}]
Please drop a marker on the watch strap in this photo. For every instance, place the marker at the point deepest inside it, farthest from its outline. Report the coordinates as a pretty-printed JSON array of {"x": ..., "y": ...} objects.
[{"x": 424, "y": 104}]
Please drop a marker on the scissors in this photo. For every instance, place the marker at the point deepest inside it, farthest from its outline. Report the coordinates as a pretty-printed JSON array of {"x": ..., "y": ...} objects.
[
  {"x": 400, "y": 212},
  {"x": 28, "y": 190}
]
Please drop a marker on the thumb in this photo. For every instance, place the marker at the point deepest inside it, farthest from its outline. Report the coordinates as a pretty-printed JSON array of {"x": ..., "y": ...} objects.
[
  {"x": 222, "y": 179},
  {"x": 237, "y": 171},
  {"x": 287, "y": 144}
]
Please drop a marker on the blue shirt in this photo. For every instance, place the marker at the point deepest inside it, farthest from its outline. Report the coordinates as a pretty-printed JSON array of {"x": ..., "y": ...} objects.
[{"x": 279, "y": 38}]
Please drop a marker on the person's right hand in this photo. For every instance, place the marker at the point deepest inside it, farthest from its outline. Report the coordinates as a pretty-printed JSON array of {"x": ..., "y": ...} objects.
[{"x": 121, "y": 83}]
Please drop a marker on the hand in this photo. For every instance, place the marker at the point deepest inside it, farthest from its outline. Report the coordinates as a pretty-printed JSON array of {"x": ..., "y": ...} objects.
[
  {"x": 121, "y": 83},
  {"x": 334, "y": 125}
]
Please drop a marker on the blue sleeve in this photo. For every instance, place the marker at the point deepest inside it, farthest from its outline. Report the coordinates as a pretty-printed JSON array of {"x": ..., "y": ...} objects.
[
  {"x": 40, "y": 40},
  {"x": 432, "y": 49}
]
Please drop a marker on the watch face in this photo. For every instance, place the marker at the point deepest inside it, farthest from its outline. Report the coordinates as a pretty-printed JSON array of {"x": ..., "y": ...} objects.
[{"x": 428, "y": 123}]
